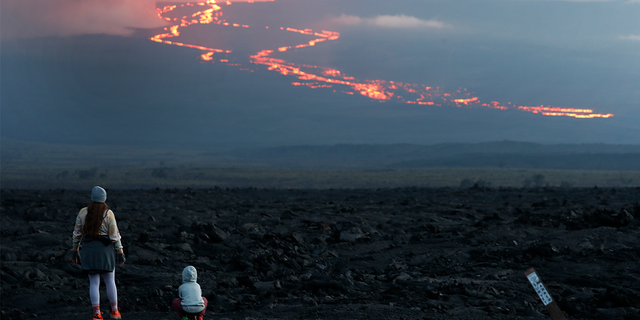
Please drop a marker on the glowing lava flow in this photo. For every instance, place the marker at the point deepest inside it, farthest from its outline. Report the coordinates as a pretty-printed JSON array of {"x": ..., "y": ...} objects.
[{"x": 319, "y": 77}]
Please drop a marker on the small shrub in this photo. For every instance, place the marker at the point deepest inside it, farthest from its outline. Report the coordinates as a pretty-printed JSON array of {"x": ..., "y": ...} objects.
[
  {"x": 566, "y": 184},
  {"x": 483, "y": 184},
  {"x": 88, "y": 174},
  {"x": 537, "y": 180},
  {"x": 466, "y": 184},
  {"x": 160, "y": 173}
]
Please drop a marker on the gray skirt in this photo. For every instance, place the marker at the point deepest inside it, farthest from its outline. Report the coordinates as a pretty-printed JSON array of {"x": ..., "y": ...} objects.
[{"x": 97, "y": 257}]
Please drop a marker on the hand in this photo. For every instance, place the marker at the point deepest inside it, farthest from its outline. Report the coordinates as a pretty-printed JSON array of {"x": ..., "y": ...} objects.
[
  {"x": 76, "y": 257},
  {"x": 120, "y": 259}
]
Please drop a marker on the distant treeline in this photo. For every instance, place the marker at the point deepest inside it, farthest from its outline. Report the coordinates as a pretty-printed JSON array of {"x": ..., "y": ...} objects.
[
  {"x": 498, "y": 164},
  {"x": 502, "y": 154},
  {"x": 505, "y": 154},
  {"x": 579, "y": 161}
]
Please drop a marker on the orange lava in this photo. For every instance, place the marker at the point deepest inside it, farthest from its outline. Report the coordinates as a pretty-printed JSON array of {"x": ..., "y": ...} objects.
[
  {"x": 207, "y": 56},
  {"x": 319, "y": 77}
]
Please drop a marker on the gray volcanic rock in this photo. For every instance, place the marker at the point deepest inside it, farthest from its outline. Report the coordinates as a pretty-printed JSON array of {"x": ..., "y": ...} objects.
[{"x": 407, "y": 253}]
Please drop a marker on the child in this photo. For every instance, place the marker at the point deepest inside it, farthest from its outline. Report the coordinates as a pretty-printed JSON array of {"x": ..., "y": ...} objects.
[{"x": 190, "y": 304}]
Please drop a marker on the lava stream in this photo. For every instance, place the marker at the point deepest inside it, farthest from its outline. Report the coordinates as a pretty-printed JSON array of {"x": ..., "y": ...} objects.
[{"x": 319, "y": 77}]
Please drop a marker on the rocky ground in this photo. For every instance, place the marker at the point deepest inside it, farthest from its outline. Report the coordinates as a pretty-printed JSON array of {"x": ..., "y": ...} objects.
[{"x": 406, "y": 253}]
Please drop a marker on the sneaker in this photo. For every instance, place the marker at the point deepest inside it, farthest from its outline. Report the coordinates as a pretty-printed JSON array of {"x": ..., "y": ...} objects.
[
  {"x": 116, "y": 314},
  {"x": 97, "y": 316}
]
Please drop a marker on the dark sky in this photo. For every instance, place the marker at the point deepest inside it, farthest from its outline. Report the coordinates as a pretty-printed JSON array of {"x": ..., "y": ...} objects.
[{"x": 85, "y": 71}]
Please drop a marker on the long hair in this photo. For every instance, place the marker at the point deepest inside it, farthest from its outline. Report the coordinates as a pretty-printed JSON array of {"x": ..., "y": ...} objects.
[{"x": 94, "y": 218}]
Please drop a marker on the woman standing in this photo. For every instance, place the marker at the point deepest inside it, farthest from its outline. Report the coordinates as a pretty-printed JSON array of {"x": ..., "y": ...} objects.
[{"x": 96, "y": 232}]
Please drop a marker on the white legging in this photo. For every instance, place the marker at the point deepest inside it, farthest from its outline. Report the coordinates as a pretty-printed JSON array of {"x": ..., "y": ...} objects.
[{"x": 110, "y": 283}]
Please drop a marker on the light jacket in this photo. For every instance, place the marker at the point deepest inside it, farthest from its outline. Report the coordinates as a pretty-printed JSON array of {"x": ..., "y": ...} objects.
[
  {"x": 107, "y": 228},
  {"x": 190, "y": 291}
]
